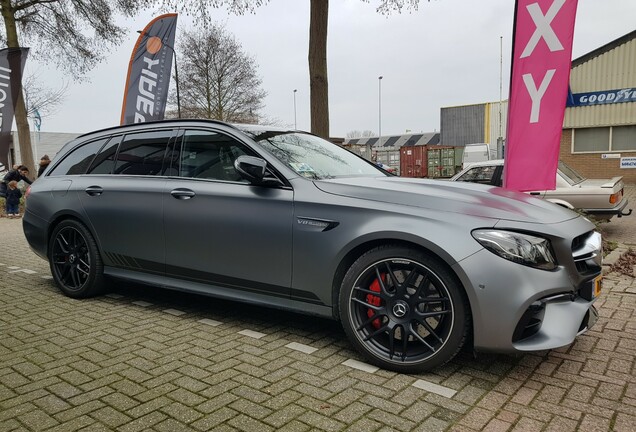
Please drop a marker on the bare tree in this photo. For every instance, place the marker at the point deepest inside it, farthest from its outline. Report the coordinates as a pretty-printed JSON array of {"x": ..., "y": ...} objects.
[
  {"x": 41, "y": 101},
  {"x": 358, "y": 134},
  {"x": 75, "y": 34},
  {"x": 55, "y": 29},
  {"x": 218, "y": 80}
]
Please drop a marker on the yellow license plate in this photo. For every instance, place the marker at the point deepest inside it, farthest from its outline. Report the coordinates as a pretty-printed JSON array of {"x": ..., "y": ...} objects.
[{"x": 598, "y": 285}]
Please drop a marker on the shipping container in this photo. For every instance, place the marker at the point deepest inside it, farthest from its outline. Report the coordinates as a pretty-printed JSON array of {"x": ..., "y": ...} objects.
[
  {"x": 388, "y": 157},
  {"x": 413, "y": 161},
  {"x": 442, "y": 161},
  {"x": 429, "y": 161}
]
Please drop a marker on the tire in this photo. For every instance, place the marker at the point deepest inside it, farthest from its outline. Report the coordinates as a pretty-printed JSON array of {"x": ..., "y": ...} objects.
[
  {"x": 75, "y": 262},
  {"x": 394, "y": 290}
]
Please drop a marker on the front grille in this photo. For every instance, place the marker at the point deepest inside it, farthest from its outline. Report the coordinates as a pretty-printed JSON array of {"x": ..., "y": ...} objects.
[{"x": 587, "y": 252}]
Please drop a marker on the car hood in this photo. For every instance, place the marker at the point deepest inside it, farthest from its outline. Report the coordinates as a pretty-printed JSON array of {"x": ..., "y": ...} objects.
[{"x": 445, "y": 196}]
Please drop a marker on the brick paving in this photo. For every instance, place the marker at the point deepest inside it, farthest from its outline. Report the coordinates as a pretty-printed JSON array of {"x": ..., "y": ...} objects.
[{"x": 142, "y": 359}]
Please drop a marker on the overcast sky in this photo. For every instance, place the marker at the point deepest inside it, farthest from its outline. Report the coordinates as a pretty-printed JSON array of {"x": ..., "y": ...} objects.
[{"x": 445, "y": 54}]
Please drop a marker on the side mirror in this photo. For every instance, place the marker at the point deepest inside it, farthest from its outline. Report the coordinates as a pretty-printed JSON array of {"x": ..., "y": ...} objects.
[{"x": 251, "y": 168}]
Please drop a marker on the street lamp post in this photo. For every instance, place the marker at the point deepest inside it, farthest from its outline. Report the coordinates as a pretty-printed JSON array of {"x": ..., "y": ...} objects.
[
  {"x": 380, "y": 111},
  {"x": 295, "y": 127},
  {"x": 176, "y": 73}
]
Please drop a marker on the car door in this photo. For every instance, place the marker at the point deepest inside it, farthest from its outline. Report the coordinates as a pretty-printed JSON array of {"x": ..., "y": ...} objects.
[
  {"x": 219, "y": 229},
  {"x": 122, "y": 196}
]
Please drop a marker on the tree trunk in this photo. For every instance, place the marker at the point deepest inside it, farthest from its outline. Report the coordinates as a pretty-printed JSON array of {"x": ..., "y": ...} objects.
[
  {"x": 24, "y": 133},
  {"x": 319, "y": 87}
]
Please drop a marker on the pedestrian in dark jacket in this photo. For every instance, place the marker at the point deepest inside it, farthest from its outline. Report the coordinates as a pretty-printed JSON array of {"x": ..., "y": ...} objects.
[
  {"x": 16, "y": 175},
  {"x": 44, "y": 162},
  {"x": 13, "y": 199}
]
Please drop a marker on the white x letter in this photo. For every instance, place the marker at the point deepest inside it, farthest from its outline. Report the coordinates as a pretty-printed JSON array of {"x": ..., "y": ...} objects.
[
  {"x": 537, "y": 94},
  {"x": 543, "y": 30}
]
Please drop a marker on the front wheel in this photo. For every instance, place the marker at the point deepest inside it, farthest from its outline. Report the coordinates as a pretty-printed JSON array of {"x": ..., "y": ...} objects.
[
  {"x": 74, "y": 259},
  {"x": 403, "y": 309}
]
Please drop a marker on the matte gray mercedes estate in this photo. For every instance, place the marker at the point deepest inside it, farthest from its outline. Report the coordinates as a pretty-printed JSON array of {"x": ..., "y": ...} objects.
[{"x": 411, "y": 267}]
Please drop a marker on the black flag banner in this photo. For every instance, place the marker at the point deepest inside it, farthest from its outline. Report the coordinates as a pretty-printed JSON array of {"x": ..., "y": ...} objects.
[
  {"x": 12, "y": 62},
  {"x": 149, "y": 72}
]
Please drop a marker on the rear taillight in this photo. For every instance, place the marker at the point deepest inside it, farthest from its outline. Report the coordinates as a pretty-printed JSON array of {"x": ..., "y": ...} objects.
[
  {"x": 616, "y": 197},
  {"x": 27, "y": 192}
]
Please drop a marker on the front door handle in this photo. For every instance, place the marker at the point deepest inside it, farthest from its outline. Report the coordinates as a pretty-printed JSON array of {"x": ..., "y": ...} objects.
[
  {"x": 535, "y": 193},
  {"x": 182, "y": 194},
  {"x": 94, "y": 190}
]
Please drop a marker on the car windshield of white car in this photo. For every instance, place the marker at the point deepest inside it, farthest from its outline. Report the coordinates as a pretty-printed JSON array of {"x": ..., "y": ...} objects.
[
  {"x": 570, "y": 175},
  {"x": 313, "y": 157}
]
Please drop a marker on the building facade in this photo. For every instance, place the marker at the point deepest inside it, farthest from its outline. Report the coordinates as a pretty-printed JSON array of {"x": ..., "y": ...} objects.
[{"x": 599, "y": 129}]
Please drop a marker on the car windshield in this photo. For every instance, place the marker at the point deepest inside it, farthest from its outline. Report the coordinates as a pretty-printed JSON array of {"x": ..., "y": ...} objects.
[
  {"x": 313, "y": 157},
  {"x": 570, "y": 175}
]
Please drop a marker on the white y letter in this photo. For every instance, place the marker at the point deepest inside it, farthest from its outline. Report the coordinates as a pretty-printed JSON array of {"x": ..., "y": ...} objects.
[{"x": 537, "y": 94}]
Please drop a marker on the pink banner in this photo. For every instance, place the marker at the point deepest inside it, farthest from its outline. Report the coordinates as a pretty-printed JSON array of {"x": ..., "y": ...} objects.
[{"x": 542, "y": 56}]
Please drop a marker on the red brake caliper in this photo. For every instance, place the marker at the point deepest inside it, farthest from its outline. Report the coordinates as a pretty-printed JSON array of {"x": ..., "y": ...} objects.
[{"x": 375, "y": 300}]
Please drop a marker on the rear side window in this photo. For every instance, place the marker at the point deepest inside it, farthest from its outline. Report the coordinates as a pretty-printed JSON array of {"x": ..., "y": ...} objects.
[
  {"x": 78, "y": 160},
  {"x": 142, "y": 153},
  {"x": 104, "y": 162}
]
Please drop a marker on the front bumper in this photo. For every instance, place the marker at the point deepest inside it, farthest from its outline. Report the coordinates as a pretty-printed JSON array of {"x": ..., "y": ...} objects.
[{"x": 517, "y": 308}]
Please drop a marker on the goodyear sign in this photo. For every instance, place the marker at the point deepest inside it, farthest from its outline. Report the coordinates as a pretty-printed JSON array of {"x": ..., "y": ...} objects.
[{"x": 602, "y": 97}]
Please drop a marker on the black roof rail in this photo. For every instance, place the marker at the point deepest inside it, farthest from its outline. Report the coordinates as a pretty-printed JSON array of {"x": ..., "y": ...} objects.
[{"x": 159, "y": 122}]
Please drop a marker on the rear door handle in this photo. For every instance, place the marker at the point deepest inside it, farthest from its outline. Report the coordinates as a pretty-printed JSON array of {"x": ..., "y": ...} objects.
[
  {"x": 535, "y": 193},
  {"x": 182, "y": 194},
  {"x": 94, "y": 190}
]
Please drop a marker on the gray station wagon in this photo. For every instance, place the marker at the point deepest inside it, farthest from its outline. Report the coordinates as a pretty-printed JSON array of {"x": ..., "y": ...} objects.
[{"x": 412, "y": 268}]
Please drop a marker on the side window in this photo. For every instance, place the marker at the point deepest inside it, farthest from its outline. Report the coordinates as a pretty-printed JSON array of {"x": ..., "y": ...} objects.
[
  {"x": 79, "y": 159},
  {"x": 142, "y": 153},
  {"x": 481, "y": 174},
  {"x": 211, "y": 155},
  {"x": 105, "y": 160}
]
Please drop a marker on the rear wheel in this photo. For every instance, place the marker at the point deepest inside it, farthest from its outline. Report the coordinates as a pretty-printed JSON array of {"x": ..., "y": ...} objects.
[
  {"x": 74, "y": 259},
  {"x": 403, "y": 309}
]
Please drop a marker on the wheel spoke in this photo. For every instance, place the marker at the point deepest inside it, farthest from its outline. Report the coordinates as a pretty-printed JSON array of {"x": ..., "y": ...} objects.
[
  {"x": 374, "y": 293},
  {"x": 394, "y": 280},
  {"x": 367, "y": 305},
  {"x": 420, "y": 338},
  {"x": 377, "y": 332},
  {"x": 369, "y": 321},
  {"x": 430, "y": 329},
  {"x": 76, "y": 282},
  {"x": 424, "y": 282},
  {"x": 405, "y": 342},
  {"x": 392, "y": 342},
  {"x": 383, "y": 287},
  {"x": 433, "y": 314},
  {"x": 62, "y": 243}
]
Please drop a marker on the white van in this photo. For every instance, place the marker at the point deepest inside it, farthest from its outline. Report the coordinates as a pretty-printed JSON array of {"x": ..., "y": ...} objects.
[{"x": 475, "y": 153}]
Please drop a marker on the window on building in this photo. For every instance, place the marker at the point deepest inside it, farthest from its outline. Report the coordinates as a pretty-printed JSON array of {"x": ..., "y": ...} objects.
[
  {"x": 624, "y": 138},
  {"x": 616, "y": 138},
  {"x": 592, "y": 139}
]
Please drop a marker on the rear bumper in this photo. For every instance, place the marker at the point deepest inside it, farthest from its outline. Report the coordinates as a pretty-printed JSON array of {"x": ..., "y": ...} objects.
[
  {"x": 619, "y": 211},
  {"x": 36, "y": 233}
]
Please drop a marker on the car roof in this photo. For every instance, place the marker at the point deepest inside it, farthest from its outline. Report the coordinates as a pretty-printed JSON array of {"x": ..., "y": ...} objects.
[
  {"x": 493, "y": 162},
  {"x": 243, "y": 127}
]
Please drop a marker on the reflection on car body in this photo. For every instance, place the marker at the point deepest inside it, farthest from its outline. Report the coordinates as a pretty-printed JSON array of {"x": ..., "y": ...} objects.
[
  {"x": 600, "y": 198},
  {"x": 413, "y": 268}
]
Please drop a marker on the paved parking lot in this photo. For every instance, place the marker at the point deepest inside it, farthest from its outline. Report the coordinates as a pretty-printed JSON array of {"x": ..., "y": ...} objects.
[{"x": 140, "y": 359}]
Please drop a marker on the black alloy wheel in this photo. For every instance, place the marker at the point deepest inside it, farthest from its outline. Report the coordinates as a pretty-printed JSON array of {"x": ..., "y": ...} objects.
[
  {"x": 403, "y": 309},
  {"x": 74, "y": 259}
]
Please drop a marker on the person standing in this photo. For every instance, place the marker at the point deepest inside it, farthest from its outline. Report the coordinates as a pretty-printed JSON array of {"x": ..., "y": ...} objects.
[
  {"x": 13, "y": 199},
  {"x": 20, "y": 173},
  {"x": 44, "y": 162}
]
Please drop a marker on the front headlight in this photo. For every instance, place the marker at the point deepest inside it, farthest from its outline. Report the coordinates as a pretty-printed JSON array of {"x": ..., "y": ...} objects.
[{"x": 516, "y": 247}]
